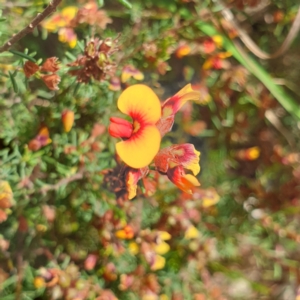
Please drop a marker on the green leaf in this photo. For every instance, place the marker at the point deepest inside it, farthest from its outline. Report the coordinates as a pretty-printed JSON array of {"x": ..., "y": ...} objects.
[
  {"x": 14, "y": 83},
  {"x": 126, "y": 3},
  {"x": 23, "y": 55}
]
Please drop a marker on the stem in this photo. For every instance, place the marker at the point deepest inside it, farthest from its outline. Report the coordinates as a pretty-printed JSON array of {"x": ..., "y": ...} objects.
[{"x": 36, "y": 21}]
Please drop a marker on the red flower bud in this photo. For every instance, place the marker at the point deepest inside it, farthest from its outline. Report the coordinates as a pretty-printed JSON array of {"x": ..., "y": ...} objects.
[{"x": 120, "y": 128}]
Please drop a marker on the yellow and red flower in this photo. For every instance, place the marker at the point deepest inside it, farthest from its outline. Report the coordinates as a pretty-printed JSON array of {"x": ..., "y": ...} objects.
[
  {"x": 42, "y": 139},
  {"x": 217, "y": 61},
  {"x": 141, "y": 137},
  {"x": 174, "y": 159},
  {"x": 130, "y": 71},
  {"x": 172, "y": 105},
  {"x": 126, "y": 233},
  {"x": 132, "y": 178},
  {"x": 61, "y": 22}
]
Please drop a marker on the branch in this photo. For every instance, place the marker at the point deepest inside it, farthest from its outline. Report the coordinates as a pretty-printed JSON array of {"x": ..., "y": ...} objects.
[
  {"x": 36, "y": 21},
  {"x": 62, "y": 182}
]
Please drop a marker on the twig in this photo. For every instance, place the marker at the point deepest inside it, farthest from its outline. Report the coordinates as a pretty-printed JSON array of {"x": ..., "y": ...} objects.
[
  {"x": 38, "y": 19},
  {"x": 250, "y": 44},
  {"x": 62, "y": 182}
]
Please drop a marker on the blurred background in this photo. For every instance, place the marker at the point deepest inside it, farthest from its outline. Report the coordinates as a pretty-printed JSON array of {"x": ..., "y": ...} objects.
[{"x": 67, "y": 228}]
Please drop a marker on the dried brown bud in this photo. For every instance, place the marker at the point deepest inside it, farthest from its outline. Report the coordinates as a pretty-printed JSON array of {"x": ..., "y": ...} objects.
[
  {"x": 95, "y": 61},
  {"x": 50, "y": 65},
  {"x": 30, "y": 68},
  {"x": 51, "y": 81}
]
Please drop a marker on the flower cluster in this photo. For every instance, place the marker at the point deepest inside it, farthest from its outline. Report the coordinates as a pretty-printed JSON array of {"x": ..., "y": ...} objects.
[
  {"x": 70, "y": 17},
  {"x": 49, "y": 66},
  {"x": 96, "y": 61},
  {"x": 141, "y": 137}
]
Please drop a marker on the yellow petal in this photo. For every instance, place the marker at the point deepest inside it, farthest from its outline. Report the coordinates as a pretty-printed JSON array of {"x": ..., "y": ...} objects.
[
  {"x": 191, "y": 233},
  {"x": 159, "y": 263},
  {"x": 139, "y": 100},
  {"x": 210, "y": 198},
  {"x": 138, "y": 151},
  {"x": 161, "y": 248},
  {"x": 187, "y": 93},
  {"x": 164, "y": 235},
  {"x": 69, "y": 12},
  {"x": 138, "y": 76},
  {"x": 133, "y": 248}
]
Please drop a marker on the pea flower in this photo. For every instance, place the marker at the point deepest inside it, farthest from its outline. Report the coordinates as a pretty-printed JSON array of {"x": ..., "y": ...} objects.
[
  {"x": 126, "y": 233},
  {"x": 141, "y": 137},
  {"x": 173, "y": 161},
  {"x": 40, "y": 140},
  {"x": 130, "y": 71},
  {"x": 61, "y": 22},
  {"x": 172, "y": 105}
]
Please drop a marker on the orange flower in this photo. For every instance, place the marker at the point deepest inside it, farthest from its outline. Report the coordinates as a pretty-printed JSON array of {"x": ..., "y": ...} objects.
[
  {"x": 183, "y": 181},
  {"x": 141, "y": 138},
  {"x": 126, "y": 233},
  {"x": 67, "y": 118},
  {"x": 51, "y": 81},
  {"x": 182, "y": 51},
  {"x": 174, "y": 159},
  {"x": 42, "y": 139},
  {"x": 60, "y": 19},
  {"x": 248, "y": 154}
]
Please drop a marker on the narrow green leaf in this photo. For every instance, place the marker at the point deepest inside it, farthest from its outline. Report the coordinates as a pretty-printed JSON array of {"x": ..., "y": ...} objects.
[
  {"x": 14, "y": 83},
  {"x": 23, "y": 55},
  {"x": 126, "y": 3}
]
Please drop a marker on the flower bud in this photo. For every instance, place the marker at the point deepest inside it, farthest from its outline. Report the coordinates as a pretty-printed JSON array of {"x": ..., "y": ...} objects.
[
  {"x": 50, "y": 65},
  {"x": 51, "y": 81},
  {"x": 67, "y": 118},
  {"x": 30, "y": 68}
]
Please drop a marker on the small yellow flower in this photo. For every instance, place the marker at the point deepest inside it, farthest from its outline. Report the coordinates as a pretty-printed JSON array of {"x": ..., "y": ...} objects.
[
  {"x": 159, "y": 263},
  {"x": 191, "y": 233},
  {"x": 39, "y": 282},
  {"x": 161, "y": 248},
  {"x": 133, "y": 248},
  {"x": 164, "y": 235}
]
